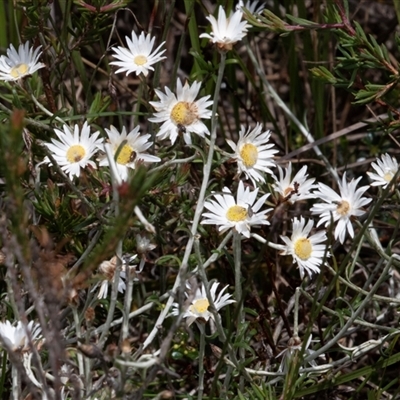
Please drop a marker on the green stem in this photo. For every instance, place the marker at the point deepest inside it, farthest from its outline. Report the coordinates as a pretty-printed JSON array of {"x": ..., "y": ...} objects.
[
  {"x": 289, "y": 113},
  {"x": 16, "y": 382},
  {"x": 199, "y": 208},
  {"x": 78, "y": 335},
  {"x": 140, "y": 93},
  {"x": 296, "y": 313},
  {"x": 213, "y": 310},
  {"x": 237, "y": 256},
  {"x": 201, "y": 360},
  {"x": 148, "y": 306},
  {"x": 354, "y": 315},
  {"x": 127, "y": 304},
  {"x": 115, "y": 181}
]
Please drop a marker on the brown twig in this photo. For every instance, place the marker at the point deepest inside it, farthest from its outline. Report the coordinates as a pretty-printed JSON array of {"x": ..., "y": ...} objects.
[{"x": 350, "y": 30}]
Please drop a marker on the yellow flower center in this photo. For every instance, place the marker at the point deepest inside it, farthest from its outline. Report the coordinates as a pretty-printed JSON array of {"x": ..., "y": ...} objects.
[
  {"x": 249, "y": 154},
  {"x": 303, "y": 248},
  {"x": 184, "y": 113},
  {"x": 75, "y": 153},
  {"x": 126, "y": 155},
  {"x": 236, "y": 213},
  {"x": 343, "y": 208},
  {"x": 140, "y": 60},
  {"x": 19, "y": 70},
  {"x": 388, "y": 176},
  {"x": 199, "y": 306}
]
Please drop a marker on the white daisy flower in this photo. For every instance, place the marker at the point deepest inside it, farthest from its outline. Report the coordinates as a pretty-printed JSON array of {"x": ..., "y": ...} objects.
[
  {"x": 226, "y": 31},
  {"x": 18, "y": 64},
  {"x": 307, "y": 251},
  {"x": 131, "y": 148},
  {"x": 298, "y": 188},
  {"x": 181, "y": 113},
  {"x": 74, "y": 150},
  {"x": 240, "y": 214},
  {"x": 340, "y": 207},
  {"x": 15, "y": 337},
  {"x": 139, "y": 58},
  {"x": 251, "y": 6},
  {"x": 198, "y": 308},
  {"x": 385, "y": 169},
  {"x": 253, "y": 153},
  {"x": 107, "y": 269}
]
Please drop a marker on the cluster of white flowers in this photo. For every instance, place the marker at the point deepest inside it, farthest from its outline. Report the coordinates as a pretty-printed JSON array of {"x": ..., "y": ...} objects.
[
  {"x": 74, "y": 151},
  {"x": 183, "y": 113},
  {"x": 254, "y": 156},
  {"x": 180, "y": 113}
]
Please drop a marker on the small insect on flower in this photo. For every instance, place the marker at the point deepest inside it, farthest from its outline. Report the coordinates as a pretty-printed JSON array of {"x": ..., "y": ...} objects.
[
  {"x": 130, "y": 149},
  {"x": 250, "y": 212},
  {"x": 133, "y": 156},
  {"x": 181, "y": 128},
  {"x": 298, "y": 188}
]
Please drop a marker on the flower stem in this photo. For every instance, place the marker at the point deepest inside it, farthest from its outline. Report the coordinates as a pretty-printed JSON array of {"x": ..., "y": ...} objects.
[
  {"x": 127, "y": 304},
  {"x": 270, "y": 244},
  {"x": 201, "y": 359},
  {"x": 213, "y": 310},
  {"x": 16, "y": 382},
  {"x": 308, "y": 136},
  {"x": 237, "y": 256},
  {"x": 115, "y": 181},
  {"x": 148, "y": 306},
  {"x": 78, "y": 335},
  {"x": 296, "y": 313},
  {"x": 356, "y": 313},
  {"x": 199, "y": 208}
]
